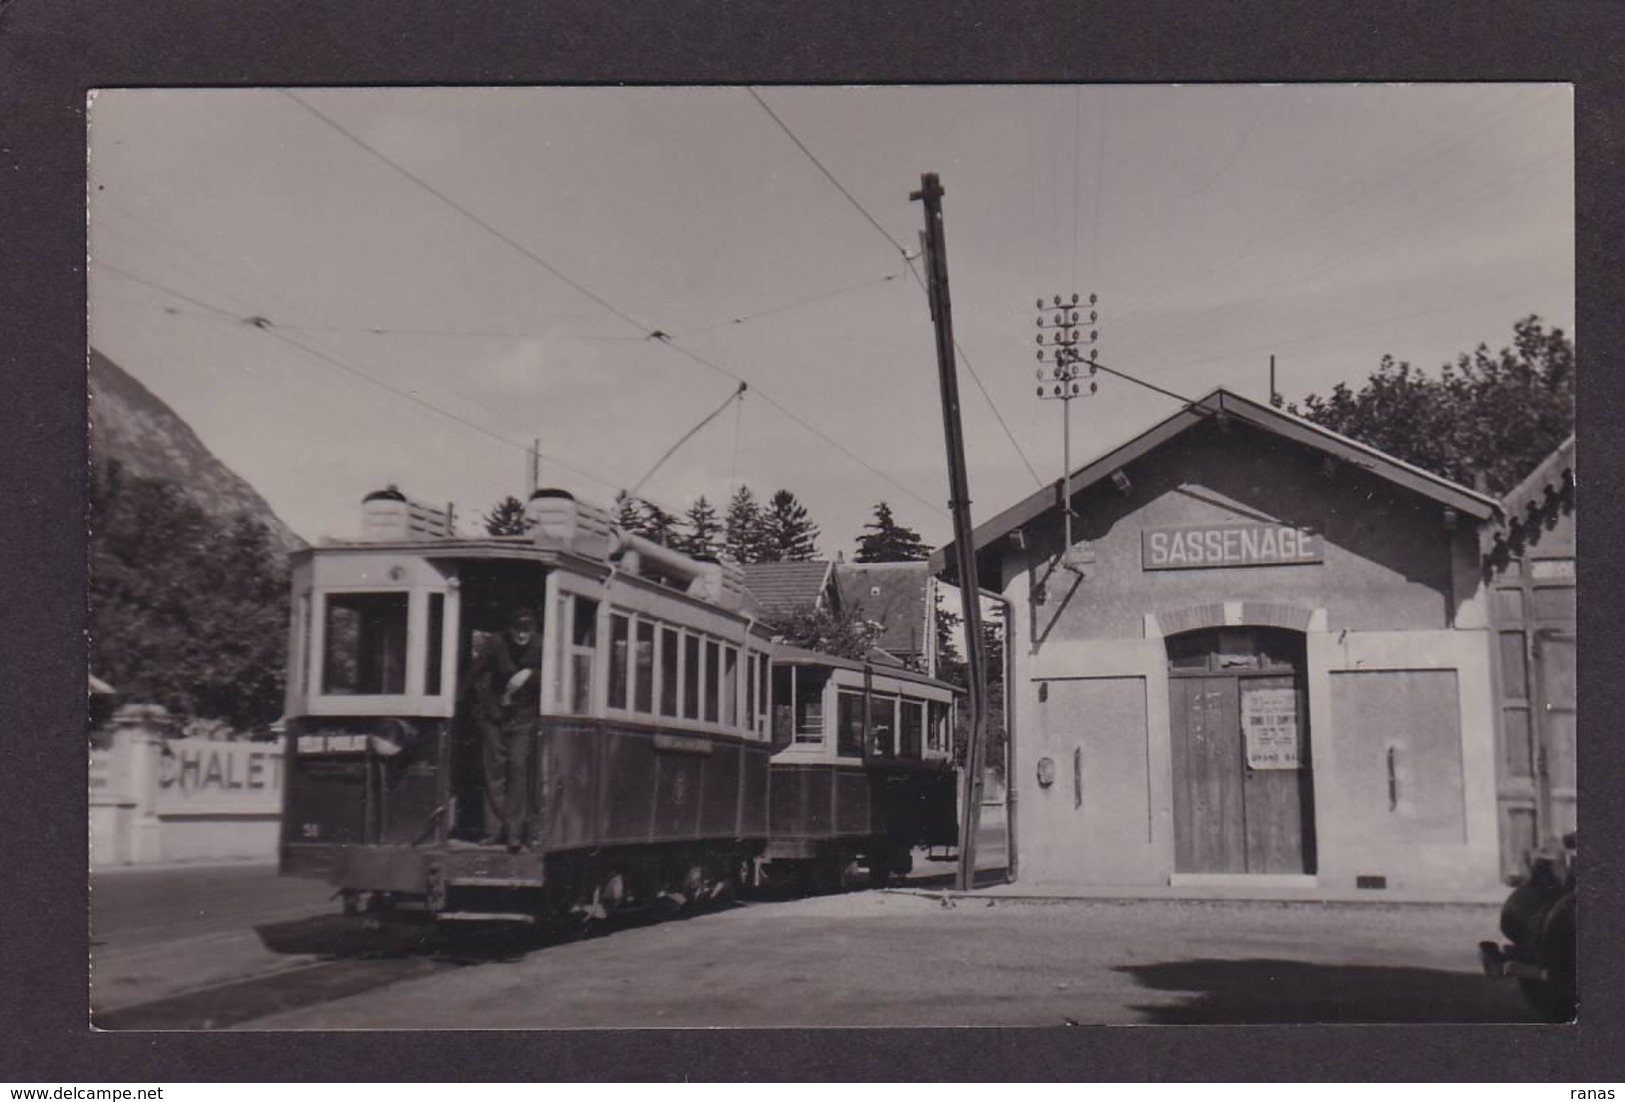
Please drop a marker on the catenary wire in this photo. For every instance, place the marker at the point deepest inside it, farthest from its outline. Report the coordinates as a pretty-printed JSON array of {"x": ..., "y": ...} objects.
[
  {"x": 265, "y": 326},
  {"x": 652, "y": 333},
  {"x": 1014, "y": 443}
]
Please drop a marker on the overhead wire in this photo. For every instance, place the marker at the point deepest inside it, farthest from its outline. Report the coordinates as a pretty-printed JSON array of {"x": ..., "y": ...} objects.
[
  {"x": 651, "y": 333},
  {"x": 828, "y": 175},
  {"x": 783, "y": 307},
  {"x": 264, "y": 325},
  {"x": 909, "y": 259}
]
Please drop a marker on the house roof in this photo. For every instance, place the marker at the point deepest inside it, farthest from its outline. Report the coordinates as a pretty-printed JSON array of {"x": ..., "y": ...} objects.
[
  {"x": 892, "y": 594},
  {"x": 1543, "y": 495},
  {"x": 781, "y": 586},
  {"x": 1221, "y": 402},
  {"x": 1555, "y": 473}
]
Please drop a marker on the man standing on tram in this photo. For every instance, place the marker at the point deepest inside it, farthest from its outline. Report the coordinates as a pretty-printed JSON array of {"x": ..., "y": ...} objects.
[{"x": 506, "y": 685}]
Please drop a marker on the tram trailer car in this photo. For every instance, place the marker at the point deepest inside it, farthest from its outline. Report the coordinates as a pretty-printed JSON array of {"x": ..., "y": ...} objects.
[
  {"x": 650, "y": 774},
  {"x": 864, "y": 772}
]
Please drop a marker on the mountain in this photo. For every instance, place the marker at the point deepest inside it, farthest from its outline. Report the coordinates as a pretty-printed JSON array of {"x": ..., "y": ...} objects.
[{"x": 132, "y": 425}]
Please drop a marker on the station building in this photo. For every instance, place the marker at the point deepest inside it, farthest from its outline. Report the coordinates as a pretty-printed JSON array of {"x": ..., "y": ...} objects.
[{"x": 1265, "y": 665}]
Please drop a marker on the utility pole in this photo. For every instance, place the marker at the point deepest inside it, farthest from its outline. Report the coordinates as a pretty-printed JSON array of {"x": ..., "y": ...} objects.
[
  {"x": 1060, "y": 383},
  {"x": 936, "y": 262},
  {"x": 534, "y": 454}
]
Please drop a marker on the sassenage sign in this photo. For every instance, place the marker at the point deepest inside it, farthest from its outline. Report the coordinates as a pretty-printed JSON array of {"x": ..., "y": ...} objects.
[{"x": 1218, "y": 545}]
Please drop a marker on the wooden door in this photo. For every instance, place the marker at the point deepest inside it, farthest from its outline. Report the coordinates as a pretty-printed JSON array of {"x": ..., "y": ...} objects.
[
  {"x": 1242, "y": 791},
  {"x": 1210, "y": 830},
  {"x": 1274, "y": 773}
]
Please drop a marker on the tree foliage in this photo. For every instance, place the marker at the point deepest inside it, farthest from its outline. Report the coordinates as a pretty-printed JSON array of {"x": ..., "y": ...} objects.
[
  {"x": 844, "y": 633},
  {"x": 702, "y": 533},
  {"x": 787, "y": 532},
  {"x": 888, "y": 541},
  {"x": 186, "y": 610},
  {"x": 646, "y": 519},
  {"x": 1492, "y": 414},
  {"x": 507, "y": 518},
  {"x": 742, "y": 527}
]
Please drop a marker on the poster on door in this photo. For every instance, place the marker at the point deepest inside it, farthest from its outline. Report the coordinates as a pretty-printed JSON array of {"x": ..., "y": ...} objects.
[{"x": 1269, "y": 723}]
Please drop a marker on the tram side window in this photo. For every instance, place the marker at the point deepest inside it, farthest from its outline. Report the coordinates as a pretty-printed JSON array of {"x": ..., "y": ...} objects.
[
  {"x": 304, "y": 643},
  {"x": 911, "y": 723},
  {"x": 810, "y": 682},
  {"x": 849, "y": 725},
  {"x": 668, "y": 671},
  {"x": 713, "y": 674},
  {"x": 762, "y": 667},
  {"x": 434, "y": 652},
  {"x": 783, "y": 706},
  {"x": 691, "y": 676},
  {"x": 883, "y": 725},
  {"x": 730, "y": 686},
  {"x": 365, "y": 648},
  {"x": 643, "y": 659},
  {"x": 620, "y": 632},
  {"x": 750, "y": 692},
  {"x": 583, "y": 652},
  {"x": 936, "y": 731}
]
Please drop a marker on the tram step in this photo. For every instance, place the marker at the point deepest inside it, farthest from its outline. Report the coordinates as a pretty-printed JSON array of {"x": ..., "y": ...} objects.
[{"x": 485, "y": 916}]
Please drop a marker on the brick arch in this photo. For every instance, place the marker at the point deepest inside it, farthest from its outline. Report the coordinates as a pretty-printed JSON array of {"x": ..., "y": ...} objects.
[{"x": 1229, "y": 614}]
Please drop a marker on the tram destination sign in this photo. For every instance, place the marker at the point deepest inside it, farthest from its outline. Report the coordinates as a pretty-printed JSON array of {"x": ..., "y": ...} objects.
[{"x": 1217, "y": 545}]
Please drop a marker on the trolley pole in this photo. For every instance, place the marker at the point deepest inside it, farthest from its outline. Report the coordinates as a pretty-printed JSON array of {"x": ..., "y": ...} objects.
[{"x": 936, "y": 261}]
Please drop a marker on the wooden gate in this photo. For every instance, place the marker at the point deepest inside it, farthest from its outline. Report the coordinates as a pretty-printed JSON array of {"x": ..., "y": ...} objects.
[{"x": 1242, "y": 794}]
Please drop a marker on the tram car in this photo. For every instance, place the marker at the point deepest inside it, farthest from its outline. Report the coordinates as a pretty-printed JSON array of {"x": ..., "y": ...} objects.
[{"x": 677, "y": 753}]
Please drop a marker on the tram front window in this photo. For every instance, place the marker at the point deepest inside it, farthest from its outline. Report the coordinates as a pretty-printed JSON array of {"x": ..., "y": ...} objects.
[{"x": 364, "y": 653}]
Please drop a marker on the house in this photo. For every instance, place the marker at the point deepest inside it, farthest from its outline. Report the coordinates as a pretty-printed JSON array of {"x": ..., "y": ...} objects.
[
  {"x": 901, "y": 597},
  {"x": 1264, "y": 666},
  {"x": 1530, "y": 562},
  {"x": 784, "y": 586}
]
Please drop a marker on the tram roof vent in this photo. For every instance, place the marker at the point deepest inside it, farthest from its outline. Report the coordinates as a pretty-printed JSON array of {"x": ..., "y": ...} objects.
[
  {"x": 388, "y": 515},
  {"x": 557, "y": 519}
]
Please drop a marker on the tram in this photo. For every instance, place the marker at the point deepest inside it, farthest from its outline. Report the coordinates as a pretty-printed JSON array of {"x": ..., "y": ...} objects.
[{"x": 679, "y": 754}]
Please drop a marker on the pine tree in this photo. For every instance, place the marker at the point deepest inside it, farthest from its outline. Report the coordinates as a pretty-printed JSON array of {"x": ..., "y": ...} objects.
[
  {"x": 742, "y": 527},
  {"x": 659, "y": 525},
  {"x": 628, "y": 513},
  {"x": 507, "y": 518},
  {"x": 704, "y": 530},
  {"x": 788, "y": 534},
  {"x": 889, "y": 541}
]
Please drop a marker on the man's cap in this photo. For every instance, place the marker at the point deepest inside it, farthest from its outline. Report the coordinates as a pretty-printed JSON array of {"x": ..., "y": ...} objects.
[{"x": 521, "y": 617}]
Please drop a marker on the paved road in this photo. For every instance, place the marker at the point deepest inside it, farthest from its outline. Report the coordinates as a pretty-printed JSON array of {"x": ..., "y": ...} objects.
[
  {"x": 202, "y": 948},
  {"x": 880, "y": 959},
  {"x": 156, "y": 932}
]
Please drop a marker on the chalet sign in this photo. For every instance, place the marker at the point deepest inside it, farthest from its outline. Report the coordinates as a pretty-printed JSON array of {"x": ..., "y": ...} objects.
[{"x": 1212, "y": 545}]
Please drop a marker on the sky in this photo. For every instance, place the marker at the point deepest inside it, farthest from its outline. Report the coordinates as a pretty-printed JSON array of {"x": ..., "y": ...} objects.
[{"x": 340, "y": 289}]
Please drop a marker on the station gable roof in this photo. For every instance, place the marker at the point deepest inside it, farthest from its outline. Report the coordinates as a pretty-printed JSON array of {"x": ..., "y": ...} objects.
[{"x": 1220, "y": 402}]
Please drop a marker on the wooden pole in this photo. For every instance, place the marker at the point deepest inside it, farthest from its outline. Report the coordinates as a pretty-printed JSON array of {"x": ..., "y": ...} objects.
[{"x": 936, "y": 260}]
